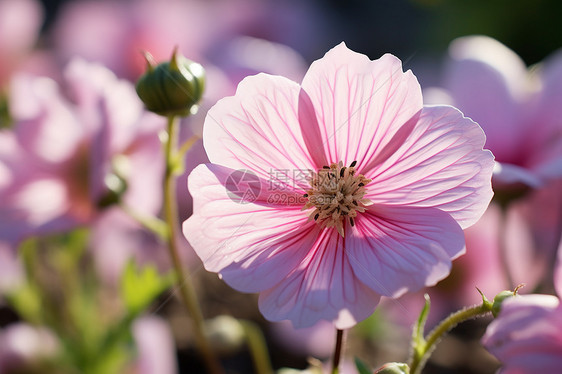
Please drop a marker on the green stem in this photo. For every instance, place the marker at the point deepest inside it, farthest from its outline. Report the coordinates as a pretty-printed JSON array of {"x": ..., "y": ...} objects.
[
  {"x": 338, "y": 351},
  {"x": 187, "y": 291},
  {"x": 421, "y": 355},
  {"x": 258, "y": 347}
]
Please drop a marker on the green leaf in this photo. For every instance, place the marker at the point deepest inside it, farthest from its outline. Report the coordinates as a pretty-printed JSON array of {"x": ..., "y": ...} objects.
[
  {"x": 362, "y": 367},
  {"x": 26, "y": 300},
  {"x": 140, "y": 287},
  {"x": 418, "y": 341}
]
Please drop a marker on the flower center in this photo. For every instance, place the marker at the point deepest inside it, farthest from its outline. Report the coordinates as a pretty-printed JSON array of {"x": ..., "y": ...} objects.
[{"x": 336, "y": 194}]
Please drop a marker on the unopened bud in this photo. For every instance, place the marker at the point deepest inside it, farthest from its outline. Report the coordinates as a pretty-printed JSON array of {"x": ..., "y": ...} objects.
[
  {"x": 499, "y": 299},
  {"x": 393, "y": 368},
  {"x": 173, "y": 87}
]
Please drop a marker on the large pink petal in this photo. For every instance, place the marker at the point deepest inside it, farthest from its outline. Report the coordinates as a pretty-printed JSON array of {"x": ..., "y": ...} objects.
[
  {"x": 253, "y": 245},
  {"x": 258, "y": 129},
  {"x": 360, "y": 104},
  {"x": 396, "y": 249},
  {"x": 486, "y": 79},
  {"x": 322, "y": 287},
  {"x": 441, "y": 164}
]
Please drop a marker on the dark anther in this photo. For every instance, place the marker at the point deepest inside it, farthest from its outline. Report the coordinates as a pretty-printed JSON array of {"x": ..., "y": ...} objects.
[
  {"x": 353, "y": 164},
  {"x": 305, "y": 195},
  {"x": 351, "y": 222},
  {"x": 342, "y": 171},
  {"x": 316, "y": 216},
  {"x": 355, "y": 203},
  {"x": 361, "y": 184},
  {"x": 325, "y": 167}
]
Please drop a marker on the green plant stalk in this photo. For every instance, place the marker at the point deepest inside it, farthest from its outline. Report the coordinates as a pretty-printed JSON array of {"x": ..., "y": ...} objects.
[
  {"x": 420, "y": 356},
  {"x": 258, "y": 347},
  {"x": 187, "y": 291},
  {"x": 338, "y": 351}
]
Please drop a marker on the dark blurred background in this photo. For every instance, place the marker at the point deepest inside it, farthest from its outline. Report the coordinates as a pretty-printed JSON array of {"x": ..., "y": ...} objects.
[{"x": 405, "y": 27}]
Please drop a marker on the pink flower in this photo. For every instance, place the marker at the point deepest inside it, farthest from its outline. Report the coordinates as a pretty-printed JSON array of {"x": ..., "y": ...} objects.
[
  {"x": 517, "y": 108},
  {"x": 407, "y": 180},
  {"x": 23, "y": 347},
  {"x": 20, "y": 21},
  {"x": 67, "y": 155},
  {"x": 155, "y": 345},
  {"x": 118, "y": 239},
  {"x": 527, "y": 334},
  {"x": 114, "y": 32}
]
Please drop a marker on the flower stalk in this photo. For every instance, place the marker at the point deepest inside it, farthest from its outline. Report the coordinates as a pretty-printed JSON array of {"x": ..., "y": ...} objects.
[
  {"x": 187, "y": 291},
  {"x": 422, "y": 348},
  {"x": 338, "y": 351}
]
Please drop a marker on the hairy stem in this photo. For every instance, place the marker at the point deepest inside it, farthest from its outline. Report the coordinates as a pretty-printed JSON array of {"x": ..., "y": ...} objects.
[{"x": 419, "y": 359}]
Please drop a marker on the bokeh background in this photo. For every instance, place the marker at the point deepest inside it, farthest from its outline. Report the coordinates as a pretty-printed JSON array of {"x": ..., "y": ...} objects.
[{"x": 227, "y": 37}]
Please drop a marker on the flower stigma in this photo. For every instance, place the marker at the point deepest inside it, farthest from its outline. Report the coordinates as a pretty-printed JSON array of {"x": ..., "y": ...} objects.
[{"x": 336, "y": 194}]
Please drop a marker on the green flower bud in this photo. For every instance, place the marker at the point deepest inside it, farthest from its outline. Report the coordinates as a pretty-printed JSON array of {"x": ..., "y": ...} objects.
[
  {"x": 499, "y": 299},
  {"x": 393, "y": 368},
  {"x": 172, "y": 88}
]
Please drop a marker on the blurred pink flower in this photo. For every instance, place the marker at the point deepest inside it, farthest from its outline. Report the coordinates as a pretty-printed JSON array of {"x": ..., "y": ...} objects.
[
  {"x": 22, "y": 347},
  {"x": 527, "y": 334},
  {"x": 155, "y": 347},
  {"x": 67, "y": 153},
  {"x": 115, "y": 32},
  {"x": 408, "y": 180},
  {"x": 231, "y": 39},
  {"x": 20, "y": 22},
  {"x": 517, "y": 108},
  {"x": 118, "y": 239}
]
